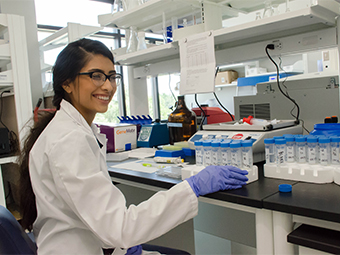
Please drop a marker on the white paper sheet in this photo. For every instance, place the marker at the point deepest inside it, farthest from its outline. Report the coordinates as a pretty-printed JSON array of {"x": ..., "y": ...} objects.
[
  {"x": 145, "y": 166},
  {"x": 197, "y": 57}
]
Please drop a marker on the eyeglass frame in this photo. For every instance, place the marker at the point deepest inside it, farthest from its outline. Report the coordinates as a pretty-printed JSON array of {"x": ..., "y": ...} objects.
[{"x": 107, "y": 77}]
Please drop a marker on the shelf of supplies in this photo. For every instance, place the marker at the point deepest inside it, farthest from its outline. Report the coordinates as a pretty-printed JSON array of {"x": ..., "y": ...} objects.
[
  {"x": 322, "y": 15},
  {"x": 290, "y": 23},
  {"x": 150, "y": 14},
  {"x": 149, "y": 55}
]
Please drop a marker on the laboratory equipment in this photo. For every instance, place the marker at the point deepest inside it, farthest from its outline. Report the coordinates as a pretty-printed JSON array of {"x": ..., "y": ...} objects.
[
  {"x": 280, "y": 150},
  {"x": 236, "y": 154},
  {"x": 335, "y": 150},
  {"x": 212, "y": 114},
  {"x": 301, "y": 149},
  {"x": 199, "y": 152},
  {"x": 182, "y": 122},
  {"x": 207, "y": 153},
  {"x": 153, "y": 134},
  {"x": 232, "y": 131},
  {"x": 247, "y": 155},
  {"x": 306, "y": 89},
  {"x": 269, "y": 144}
]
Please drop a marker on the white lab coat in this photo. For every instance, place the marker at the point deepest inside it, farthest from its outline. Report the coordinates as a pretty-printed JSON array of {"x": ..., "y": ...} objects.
[{"x": 79, "y": 209}]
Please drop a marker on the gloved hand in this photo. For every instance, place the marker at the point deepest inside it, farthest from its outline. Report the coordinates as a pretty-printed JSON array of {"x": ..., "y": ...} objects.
[
  {"x": 135, "y": 250},
  {"x": 214, "y": 178}
]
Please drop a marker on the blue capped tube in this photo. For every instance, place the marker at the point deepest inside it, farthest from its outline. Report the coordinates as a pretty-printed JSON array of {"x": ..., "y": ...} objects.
[
  {"x": 280, "y": 149},
  {"x": 207, "y": 152},
  {"x": 301, "y": 149},
  {"x": 269, "y": 144},
  {"x": 225, "y": 153},
  {"x": 236, "y": 154},
  {"x": 199, "y": 152},
  {"x": 335, "y": 150},
  {"x": 215, "y": 153},
  {"x": 312, "y": 150},
  {"x": 247, "y": 155},
  {"x": 324, "y": 151}
]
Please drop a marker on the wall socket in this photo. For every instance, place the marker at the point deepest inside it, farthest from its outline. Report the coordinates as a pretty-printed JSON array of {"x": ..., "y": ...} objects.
[{"x": 277, "y": 44}]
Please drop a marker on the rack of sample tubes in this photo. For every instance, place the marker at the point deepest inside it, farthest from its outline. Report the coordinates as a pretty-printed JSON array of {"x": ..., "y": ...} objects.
[
  {"x": 237, "y": 153},
  {"x": 303, "y": 158}
]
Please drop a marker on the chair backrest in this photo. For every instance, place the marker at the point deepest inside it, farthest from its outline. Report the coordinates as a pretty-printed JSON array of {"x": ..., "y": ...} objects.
[{"x": 13, "y": 239}]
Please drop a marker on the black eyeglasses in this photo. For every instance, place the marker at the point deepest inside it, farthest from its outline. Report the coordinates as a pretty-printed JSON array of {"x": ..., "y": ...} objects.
[{"x": 99, "y": 78}]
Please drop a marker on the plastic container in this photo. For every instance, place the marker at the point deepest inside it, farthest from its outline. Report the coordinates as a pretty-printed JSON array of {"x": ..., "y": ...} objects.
[
  {"x": 247, "y": 155},
  {"x": 324, "y": 151},
  {"x": 215, "y": 153},
  {"x": 335, "y": 150},
  {"x": 301, "y": 149},
  {"x": 236, "y": 154},
  {"x": 207, "y": 152},
  {"x": 199, "y": 152},
  {"x": 225, "y": 153},
  {"x": 328, "y": 129},
  {"x": 290, "y": 147},
  {"x": 182, "y": 122},
  {"x": 269, "y": 144},
  {"x": 280, "y": 151},
  {"x": 312, "y": 150}
]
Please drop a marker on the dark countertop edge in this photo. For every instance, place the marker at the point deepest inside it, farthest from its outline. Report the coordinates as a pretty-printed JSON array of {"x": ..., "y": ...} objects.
[
  {"x": 321, "y": 215},
  {"x": 164, "y": 183}
]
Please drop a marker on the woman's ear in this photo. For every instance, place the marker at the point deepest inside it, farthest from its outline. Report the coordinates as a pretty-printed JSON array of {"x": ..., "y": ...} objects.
[{"x": 66, "y": 87}]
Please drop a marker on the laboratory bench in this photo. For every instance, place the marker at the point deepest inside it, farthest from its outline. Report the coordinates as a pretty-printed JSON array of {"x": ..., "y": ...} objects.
[{"x": 276, "y": 213}]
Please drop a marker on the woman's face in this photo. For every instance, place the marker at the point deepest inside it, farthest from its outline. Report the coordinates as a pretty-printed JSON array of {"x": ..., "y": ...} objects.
[{"x": 85, "y": 96}]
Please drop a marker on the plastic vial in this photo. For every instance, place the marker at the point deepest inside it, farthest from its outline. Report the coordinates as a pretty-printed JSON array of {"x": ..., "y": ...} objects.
[
  {"x": 236, "y": 154},
  {"x": 215, "y": 153},
  {"x": 247, "y": 155},
  {"x": 199, "y": 152},
  {"x": 280, "y": 150},
  {"x": 312, "y": 150},
  {"x": 269, "y": 144},
  {"x": 225, "y": 153},
  {"x": 207, "y": 152},
  {"x": 301, "y": 149},
  {"x": 324, "y": 151},
  {"x": 335, "y": 150},
  {"x": 290, "y": 147}
]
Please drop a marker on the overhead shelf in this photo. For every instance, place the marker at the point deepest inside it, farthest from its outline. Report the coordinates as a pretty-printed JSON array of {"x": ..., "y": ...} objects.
[
  {"x": 312, "y": 18},
  {"x": 150, "y": 55},
  {"x": 149, "y": 16}
]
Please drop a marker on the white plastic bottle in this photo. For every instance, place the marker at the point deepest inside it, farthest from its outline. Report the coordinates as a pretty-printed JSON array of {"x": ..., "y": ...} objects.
[
  {"x": 207, "y": 152},
  {"x": 236, "y": 154},
  {"x": 290, "y": 146},
  {"x": 247, "y": 155},
  {"x": 312, "y": 150},
  {"x": 280, "y": 151},
  {"x": 269, "y": 144},
  {"x": 324, "y": 151},
  {"x": 225, "y": 153},
  {"x": 199, "y": 152},
  {"x": 335, "y": 150},
  {"x": 215, "y": 153}
]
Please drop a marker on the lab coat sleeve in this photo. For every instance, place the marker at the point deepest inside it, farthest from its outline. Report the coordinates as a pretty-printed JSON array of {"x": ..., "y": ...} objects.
[{"x": 102, "y": 207}]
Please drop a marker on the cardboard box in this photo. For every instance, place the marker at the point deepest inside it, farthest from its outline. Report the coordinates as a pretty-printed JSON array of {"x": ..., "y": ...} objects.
[
  {"x": 120, "y": 137},
  {"x": 226, "y": 77}
]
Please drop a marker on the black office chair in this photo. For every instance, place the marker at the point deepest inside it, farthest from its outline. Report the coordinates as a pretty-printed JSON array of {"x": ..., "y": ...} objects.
[{"x": 13, "y": 239}]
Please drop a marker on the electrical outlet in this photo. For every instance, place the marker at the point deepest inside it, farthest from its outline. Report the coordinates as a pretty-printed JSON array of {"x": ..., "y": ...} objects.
[{"x": 277, "y": 44}]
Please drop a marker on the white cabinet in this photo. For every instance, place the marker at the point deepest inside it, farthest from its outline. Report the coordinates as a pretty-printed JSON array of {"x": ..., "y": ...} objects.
[{"x": 14, "y": 77}]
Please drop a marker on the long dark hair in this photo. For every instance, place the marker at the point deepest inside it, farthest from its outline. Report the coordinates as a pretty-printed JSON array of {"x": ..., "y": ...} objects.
[{"x": 67, "y": 66}]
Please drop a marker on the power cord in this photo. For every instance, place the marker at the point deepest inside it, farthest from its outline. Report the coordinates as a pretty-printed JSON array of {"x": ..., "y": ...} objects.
[{"x": 272, "y": 47}]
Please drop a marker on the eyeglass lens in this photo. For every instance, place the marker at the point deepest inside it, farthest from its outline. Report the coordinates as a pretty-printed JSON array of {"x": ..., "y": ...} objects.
[{"x": 100, "y": 78}]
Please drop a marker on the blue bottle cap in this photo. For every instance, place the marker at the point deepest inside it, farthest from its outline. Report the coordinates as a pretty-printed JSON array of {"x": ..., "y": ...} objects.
[
  {"x": 247, "y": 143},
  {"x": 300, "y": 139},
  {"x": 335, "y": 139},
  {"x": 198, "y": 143},
  {"x": 269, "y": 141},
  {"x": 278, "y": 137},
  {"x": 235, "y": 144},
  {"x": 290, "y": 138},
  {"x": 225, "y": 144},
  {"x": 312, "y": 139},
  {"x": 215, "y": 144},
  {"x": 280, "y": 141},
  {"x": 324, "y": 140},
  {"x": 206, "y": 143},
  {"x": 285, "y": 188}
]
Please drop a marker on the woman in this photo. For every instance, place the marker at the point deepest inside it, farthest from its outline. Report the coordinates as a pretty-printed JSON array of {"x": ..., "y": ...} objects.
[{"x": 68, "y": 198}]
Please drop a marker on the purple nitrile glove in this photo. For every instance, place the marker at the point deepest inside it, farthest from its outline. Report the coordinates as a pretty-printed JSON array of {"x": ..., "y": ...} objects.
[
  {"x": 214, "y": 178},
  {"x": 135, "y": 250}
]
